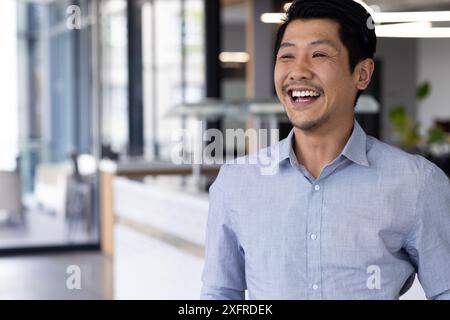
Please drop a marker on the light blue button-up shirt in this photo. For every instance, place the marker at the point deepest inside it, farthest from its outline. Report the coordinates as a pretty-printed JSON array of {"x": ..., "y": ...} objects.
[{"x": 374, "y": 218}]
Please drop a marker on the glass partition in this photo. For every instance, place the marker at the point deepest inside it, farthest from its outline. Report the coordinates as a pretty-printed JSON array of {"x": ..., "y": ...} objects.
[{"x": 51, "y": 191}]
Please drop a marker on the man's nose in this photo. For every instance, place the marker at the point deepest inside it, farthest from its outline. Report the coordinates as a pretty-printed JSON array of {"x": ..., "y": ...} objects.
[{"x": 301, "y": 70}]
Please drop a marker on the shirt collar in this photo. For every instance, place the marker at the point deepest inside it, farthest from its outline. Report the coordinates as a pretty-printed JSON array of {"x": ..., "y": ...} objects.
[{"x": 355, "y": 149}]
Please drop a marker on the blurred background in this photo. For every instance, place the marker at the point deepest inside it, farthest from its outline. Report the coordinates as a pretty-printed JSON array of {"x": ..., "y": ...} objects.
[{"x": 92, "y": 93}]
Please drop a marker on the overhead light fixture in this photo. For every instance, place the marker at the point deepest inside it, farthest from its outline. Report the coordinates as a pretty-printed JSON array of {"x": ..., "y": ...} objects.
[
  {"x": 397, "y": 17},
  {"x": 287, "y": 6},
  {"x": 420, "y": 29},
  {"x": 381, "y": 17},
  {"x": 368, "y": 8},
  {"x": 390, "y": 30},
  {"x": 418, "y": 16},
  {"x": 415, "y": 30},
  {"x": 401, "y": 24},
  {"x": 273, "y": 17},
  {"x": 234, "y": 57}
]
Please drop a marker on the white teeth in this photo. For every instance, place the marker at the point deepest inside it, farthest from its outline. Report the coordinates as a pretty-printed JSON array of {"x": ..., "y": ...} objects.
[{"x": 304, "y": 93}]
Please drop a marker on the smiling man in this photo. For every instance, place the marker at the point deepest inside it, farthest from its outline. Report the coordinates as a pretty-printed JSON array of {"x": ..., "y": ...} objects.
[{"x": 344, "y": 216}]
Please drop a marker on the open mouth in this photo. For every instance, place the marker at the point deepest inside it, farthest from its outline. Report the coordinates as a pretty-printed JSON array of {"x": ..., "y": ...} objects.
[{"x": 303, "y": 98}]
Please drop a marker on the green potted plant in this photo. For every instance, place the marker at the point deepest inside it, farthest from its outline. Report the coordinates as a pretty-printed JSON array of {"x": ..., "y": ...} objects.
[
  {"x": 404, "y": 126},
  {"x": 407, "y": 130}
]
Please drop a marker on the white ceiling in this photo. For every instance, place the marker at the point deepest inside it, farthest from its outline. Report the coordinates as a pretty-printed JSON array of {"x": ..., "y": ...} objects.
[{"x": 403, "y": 5}]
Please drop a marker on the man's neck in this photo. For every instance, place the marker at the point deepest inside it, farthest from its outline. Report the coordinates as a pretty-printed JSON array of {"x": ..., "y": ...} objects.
[{"x": 316, "y": 148}]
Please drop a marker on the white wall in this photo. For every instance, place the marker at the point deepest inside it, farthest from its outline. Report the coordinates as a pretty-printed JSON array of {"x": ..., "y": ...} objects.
[
  {"x": 398, "y": 78},
  {"x": 434, "y": 65}
]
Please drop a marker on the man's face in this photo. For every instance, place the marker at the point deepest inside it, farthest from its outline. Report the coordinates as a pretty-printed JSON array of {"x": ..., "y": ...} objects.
[{"x": 312, "y": 75}]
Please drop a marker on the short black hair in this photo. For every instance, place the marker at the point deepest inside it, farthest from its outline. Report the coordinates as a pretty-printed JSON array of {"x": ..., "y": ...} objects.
[{"x": 354, "y": 26}]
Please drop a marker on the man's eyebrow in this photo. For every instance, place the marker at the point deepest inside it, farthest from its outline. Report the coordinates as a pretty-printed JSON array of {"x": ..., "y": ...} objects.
[
  {"x": 323, "y": 41},
  {"x": 313, "y": 43},
  {"x": 286, "y": 45}
]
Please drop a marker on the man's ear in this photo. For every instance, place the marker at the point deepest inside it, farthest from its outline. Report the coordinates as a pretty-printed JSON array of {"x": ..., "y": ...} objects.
[{"x": 363, "y": 73}]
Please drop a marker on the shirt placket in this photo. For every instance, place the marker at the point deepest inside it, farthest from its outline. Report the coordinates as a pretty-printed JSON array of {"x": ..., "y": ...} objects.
[{"x": 313, "y": 241}]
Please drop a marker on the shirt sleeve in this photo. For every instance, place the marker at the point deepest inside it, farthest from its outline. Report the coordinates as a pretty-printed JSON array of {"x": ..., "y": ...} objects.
[
  {"x": 429, "y": 243},
  {"x": 224, "y": 270}
]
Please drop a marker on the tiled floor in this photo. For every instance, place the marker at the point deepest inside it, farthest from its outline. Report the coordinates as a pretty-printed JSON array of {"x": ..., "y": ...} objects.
[{"x": 45, "y": 277}]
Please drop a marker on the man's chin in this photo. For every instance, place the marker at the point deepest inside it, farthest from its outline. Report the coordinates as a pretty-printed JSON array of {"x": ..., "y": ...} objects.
[{"x": 310, "y": 124}]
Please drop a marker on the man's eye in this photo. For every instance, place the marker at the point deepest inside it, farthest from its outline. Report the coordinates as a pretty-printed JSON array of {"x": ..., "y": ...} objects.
[
  {"x": 287, "y": 56},
  {"x": 319, "y": 55}
]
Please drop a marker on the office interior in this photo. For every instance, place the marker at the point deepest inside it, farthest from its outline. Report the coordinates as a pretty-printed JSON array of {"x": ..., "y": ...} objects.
[{"x": 92, "y": 92}]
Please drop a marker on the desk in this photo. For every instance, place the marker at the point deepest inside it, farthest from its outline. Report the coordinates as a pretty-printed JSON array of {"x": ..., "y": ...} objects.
[{"x": 132, "y": 169}]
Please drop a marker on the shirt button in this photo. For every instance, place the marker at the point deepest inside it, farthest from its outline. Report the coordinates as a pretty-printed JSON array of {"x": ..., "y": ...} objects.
[
  {"x": 315, "y": 286},
  {"x": 317, "y": 187},
  {"x": 313, "y": 236}
]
